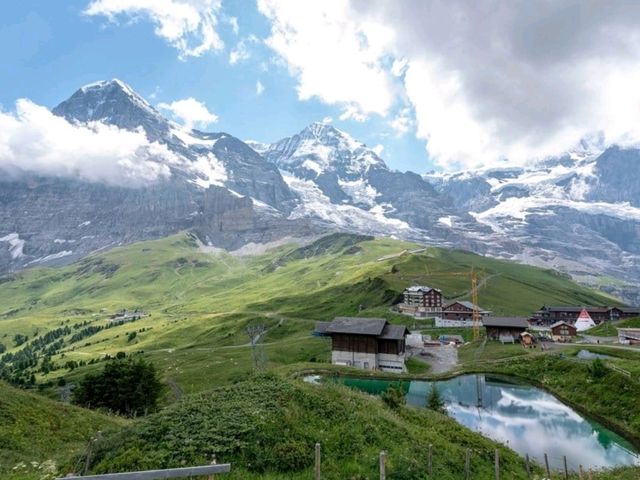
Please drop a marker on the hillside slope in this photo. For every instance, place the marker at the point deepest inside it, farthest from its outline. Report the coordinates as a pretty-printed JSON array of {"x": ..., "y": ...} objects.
[
  {"x": 37, "y": 435},
  {"x": 267, "y": 427},
  {"x": 199, "y": 303}
]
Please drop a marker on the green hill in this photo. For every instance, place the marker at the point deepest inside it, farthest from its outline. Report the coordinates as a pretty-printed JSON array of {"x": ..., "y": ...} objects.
[
  {"x": 267, "y": 427},
  {"x": 38, "y": 435},
  {"x": 200, "y": 303},
  {"x": 608, "y": 329}
]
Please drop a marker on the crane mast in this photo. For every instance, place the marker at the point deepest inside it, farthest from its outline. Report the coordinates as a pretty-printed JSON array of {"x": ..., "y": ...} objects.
[{"x": 474, "y": 300}]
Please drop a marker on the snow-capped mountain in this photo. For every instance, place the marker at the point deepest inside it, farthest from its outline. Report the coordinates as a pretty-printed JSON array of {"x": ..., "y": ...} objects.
[
  {"x": 342, "y": 181},
  {"x": 218, "y": 188},
  {"x": 579, "y": 213}
]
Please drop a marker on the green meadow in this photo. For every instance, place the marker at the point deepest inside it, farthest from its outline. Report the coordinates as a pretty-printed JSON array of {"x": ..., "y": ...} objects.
[
  {"x": 194, "y": 307},
  {"x": 199, "y": 304}
]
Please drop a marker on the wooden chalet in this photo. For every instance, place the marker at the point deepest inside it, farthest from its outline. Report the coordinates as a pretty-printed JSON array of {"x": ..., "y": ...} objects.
[
  {"x": 548, "y": 315},
  {"x": 367, "y": 343},
  {"x": 563, "y": 331},
  {"x": 505, "y": 329},
  {"x": 461, "y": 310}
]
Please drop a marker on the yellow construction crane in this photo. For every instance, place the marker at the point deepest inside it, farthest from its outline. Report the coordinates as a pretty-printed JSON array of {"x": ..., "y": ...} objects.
[{"x": 475, "y": 316}]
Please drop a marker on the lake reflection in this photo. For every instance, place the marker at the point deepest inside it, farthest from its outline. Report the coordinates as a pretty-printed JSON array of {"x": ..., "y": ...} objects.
[{"x": 527, "y": 419}]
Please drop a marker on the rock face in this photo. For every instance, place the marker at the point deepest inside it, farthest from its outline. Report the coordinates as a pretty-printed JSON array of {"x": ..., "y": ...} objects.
[
  {"x": 220, "y": 188},
  {"x": 579, "y": 213}
]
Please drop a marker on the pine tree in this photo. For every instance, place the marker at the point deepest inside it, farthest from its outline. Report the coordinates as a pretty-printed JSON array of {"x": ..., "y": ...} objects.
[{"x": 435, "y": 402}]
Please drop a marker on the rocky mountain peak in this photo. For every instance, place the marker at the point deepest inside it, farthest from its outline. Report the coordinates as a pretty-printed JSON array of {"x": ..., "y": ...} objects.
[{"x": 115, "y": 103}]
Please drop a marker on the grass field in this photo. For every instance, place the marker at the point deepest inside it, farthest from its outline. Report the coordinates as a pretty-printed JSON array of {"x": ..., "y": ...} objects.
[
  {"x": 38, "y": 435},
  {"x": 199, "y": 304}
]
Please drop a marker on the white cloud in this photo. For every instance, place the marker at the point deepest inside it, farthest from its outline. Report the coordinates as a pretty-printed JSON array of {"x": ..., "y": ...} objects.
[
  {"x": 378, "y": 149},
  {"x": 352, "y": 112},
  {"x": 33, "y": 139},
  {"x": 519, "y": 82},
  {"x": 327, "y": 119},
  {"x": 239, "y": 53},
  {"x": 190, "y": 112},
  {"x": 233, "y": 21},
  {"x": 334, "y": 58},
  {"x": 402, "y": 122},
  {"x": 259, "y": 88},
  {"x": 187, "y": 25}
]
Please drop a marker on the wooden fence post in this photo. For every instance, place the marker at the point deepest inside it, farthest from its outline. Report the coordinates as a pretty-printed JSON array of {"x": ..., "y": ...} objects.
[
  {"x": 214, "y": 461},
  {"x": 383, "y": 455},
  {"x": 566, "y": 470},
  {"x": 430, "y": 459},
  {"x": 546, "y": 465},
  {"x": 317, "y": 461},
  {"x": 580, "y": 473},
  {"x": 527, "y": 466},
  {"x": 497, "y": 464},
  {"x": 467, "y": 465}
]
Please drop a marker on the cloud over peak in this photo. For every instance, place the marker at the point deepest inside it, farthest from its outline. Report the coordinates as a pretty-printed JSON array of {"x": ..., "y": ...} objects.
[
  {"x": 190, "y": 112},
  {"x": 32, "y": 139},
  {"x": 484, "y": 81}
]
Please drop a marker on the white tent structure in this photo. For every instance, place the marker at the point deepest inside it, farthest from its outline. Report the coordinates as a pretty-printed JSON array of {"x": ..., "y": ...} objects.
[{"x": 584, "y": 321}]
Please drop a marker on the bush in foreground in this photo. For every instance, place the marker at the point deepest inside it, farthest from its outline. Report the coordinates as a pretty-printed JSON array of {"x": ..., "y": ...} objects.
[{"x": 128, "y": 387}]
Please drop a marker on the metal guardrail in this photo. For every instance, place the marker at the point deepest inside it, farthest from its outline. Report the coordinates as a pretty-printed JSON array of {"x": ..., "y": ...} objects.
[{"x": 157, "y": 474}]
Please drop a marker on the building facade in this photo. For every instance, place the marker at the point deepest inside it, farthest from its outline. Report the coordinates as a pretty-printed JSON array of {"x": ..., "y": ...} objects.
[
  {"x": 367, "y": 343},
  {"x": 505, "y": 329},
  {"x": 461, "y": 310},
  {"x": 548, "y": 315},
  {"x": 563, "y": 331},
  {"x": 422, "y": 300}
]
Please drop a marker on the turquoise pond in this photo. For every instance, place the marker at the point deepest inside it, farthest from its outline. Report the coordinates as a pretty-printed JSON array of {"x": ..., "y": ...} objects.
[{"x": 526, "y": 418}]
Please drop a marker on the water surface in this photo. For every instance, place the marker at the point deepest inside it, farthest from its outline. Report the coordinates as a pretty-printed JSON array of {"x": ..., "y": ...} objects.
[{"x": 526, "y": 418}]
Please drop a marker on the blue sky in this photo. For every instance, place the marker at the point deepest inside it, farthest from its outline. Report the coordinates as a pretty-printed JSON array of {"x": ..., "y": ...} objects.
[
  {"x": 49, "y": 49},
  {"x": 432, "y": 85}
]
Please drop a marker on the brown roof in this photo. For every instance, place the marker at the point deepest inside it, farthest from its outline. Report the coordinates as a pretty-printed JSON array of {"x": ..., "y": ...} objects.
[
  {"x": 394, "y": 332},
  {"x": 357, "y": 326},
  {"x": 515, "y": 322},
  {"x": 557, "y": 324}
]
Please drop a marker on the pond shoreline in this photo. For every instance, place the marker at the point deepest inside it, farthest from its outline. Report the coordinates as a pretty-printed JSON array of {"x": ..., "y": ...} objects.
[{"x": 620, "y": 430}]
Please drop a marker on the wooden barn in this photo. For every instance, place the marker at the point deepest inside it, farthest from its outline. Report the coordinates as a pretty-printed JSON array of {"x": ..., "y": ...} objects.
[
  {"x": 505, "y": 329},
  {"x": 367, "y": 343}
]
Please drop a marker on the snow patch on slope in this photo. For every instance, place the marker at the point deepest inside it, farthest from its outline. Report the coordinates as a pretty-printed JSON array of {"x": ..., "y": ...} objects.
[
  {"x": 210, "y": 171},
  {"x": 316, "y": 204},
  {"x": 16, "y": 244}
]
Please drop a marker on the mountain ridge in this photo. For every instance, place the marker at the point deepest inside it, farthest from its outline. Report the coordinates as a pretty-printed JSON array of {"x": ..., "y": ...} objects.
[{"x": 321, "y": 179}]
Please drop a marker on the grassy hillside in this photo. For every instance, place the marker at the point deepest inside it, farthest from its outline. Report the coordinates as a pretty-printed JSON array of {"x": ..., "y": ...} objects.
[
  {"x": 608, "y": 329},
  {"x": 267, "y": 428},
  {"x": 37, "y": 435},
  {"x": 200, "y": 303}
]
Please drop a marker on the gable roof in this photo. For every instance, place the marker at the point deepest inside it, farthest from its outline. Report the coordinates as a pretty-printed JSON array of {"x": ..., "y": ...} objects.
[
  {"x": 421, "y": 288},
  {"x": 357, "y": 325},
  {"x": 394, "y": 332},
  {"x": 561, "y": 322},
  {"x": 464, "y": 303},
  {"x": 515, "y": 322}
]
